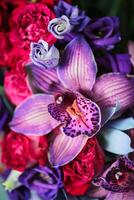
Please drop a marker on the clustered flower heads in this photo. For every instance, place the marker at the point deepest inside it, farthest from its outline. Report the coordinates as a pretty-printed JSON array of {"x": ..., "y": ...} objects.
[{"x": 67, "y": 101}]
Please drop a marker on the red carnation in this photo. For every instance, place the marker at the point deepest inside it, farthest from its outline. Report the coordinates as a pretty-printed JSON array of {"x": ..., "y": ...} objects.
[
  {"x": 29, "y": 23},
  {"x": 20, "y": 151},
  {"x": 79, "y": 173},
  {"x": 15, "y": 84}
]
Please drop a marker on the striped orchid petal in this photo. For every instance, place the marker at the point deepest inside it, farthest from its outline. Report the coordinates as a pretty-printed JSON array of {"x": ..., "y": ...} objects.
[
  {"x": 114, "y": 88},
  {"x": 65, "y": 148},
  {"x": 43, "y": 80},
  {"x": 32, "y": 117},
  {"x": 77, "y": 69}
]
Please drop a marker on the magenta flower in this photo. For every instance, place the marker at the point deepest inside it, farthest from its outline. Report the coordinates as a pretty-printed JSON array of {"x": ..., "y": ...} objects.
[
  {"x": 117, "y": 180},
  {"x": 73, "y": 99}
]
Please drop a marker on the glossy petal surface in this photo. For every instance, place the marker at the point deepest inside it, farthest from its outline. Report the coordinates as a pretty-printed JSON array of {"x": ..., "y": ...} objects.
[
  {"x": 32, "y": 116},
  {"x": 64, "y": 148},
  {"x": 114, "y": 88},
  {"x": 43, "y": 80},
  {"x": 77, "y": 69}
]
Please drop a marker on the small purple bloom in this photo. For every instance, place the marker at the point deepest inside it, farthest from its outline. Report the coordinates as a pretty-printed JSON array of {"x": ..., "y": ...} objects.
[
  {"x": 59, "y": 26},
  {"x": 20, "y": 193},
  {"x": 70, "y": 18},
  {"x": 43, "y": 55},
  {"x": 45, "y": 181},
  {"x": 103, "y": 32},
  {"x": 119, "y": 177},
  {"x": 116, "y": 63}
]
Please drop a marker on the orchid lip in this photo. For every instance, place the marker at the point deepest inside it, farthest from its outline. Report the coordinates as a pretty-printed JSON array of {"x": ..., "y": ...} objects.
[{"x": 77, "y": 114}]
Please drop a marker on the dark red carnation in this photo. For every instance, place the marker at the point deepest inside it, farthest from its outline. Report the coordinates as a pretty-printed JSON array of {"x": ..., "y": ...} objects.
[
  {"x": 4, "y": 48},
  {"x": 79, "y": 173},
  {"x": 20, "y": 151},
  {"x": 29, "y": 23},
  {"x": 3, "y": 16},
  {"x": 15, "y": 84}
]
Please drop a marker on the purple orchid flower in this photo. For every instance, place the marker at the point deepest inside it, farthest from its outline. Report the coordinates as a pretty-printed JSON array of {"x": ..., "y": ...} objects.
[
  {"x": 42, "y": 180},
  {"x": 116, "y": 63},
  {"x": 69, "y": 18},
  {"x": 103, "y": 32},
  {"x": 43, "y": 55},
  {"x": 73, "y": 98},
  {"x": 118, "y": 180}
]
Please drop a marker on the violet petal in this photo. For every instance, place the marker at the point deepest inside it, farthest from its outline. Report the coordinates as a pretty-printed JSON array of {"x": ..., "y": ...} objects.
[
  {"x": 114, "y": 88},
  {"x": 43, "y": 55},
  {"x": 77, "y": 17},
  {"x": 43, "y": 80},
  {"x": 64, "y": 149},
  {"x": 32, "y": 117},
  {"x": 77, "y": 69},
  {"x": 107, "y": 113},
  {"x": 59, "y": 26}
]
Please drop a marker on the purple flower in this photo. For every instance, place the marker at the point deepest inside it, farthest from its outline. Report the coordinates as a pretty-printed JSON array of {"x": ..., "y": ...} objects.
[
  {"x": 42, "y": 180},
  {"x": 20, "y": 193},
  {"x": 118, "y": 180},
  {"x": 59, "y": 26},
  {"x": 70, "y": 18},
  {"x": 116, "y": 63},
  {"x": 103, "y": 32},
  {"x": 119, "y": 177},
  {"x": 73, "y": 98},
  {"x": 43, "y": 55}
]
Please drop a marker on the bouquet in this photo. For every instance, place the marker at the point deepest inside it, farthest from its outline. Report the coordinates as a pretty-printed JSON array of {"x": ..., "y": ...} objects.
[{"x": 67, "y": 104}]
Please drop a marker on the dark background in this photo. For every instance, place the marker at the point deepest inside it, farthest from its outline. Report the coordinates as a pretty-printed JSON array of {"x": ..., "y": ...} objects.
[{"x": 124, "y": 9}]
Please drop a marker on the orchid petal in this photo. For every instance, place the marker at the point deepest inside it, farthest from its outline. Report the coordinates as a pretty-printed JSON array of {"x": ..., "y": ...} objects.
[
  {"x": 122, "y": 124},
  {"x": 120, "y": 196},
  {"x": 98, "y": 192},
  {"x": 107, "y": 113},
  {"x": 32, "y": 117},
  {"x": 77, "y": 69},
  {"x": 65, "y": 148},
  {"x": 112, "y": 88},
  {"x": 115, "y": 141},
  {"x": 43, "y": 80},
  {"x": 131, "y": 51}
]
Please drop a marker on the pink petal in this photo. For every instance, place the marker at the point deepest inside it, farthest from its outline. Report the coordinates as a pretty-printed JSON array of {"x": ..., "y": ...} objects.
[
  {"x": 65, "y": 148},
  {"x": 87, "y": 121},
  {"x": 77, "y": 69},
  {"x": 120, "y": 196},
  {"x": 43, "y": 80},
  {"x": 131, "y": 51},
  {"x": 114, "y": 88},
  {"x": 32, "y": 117},
  {"x": 98, "y": 192}
]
